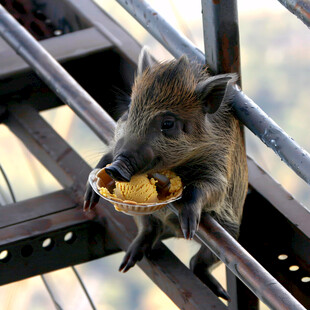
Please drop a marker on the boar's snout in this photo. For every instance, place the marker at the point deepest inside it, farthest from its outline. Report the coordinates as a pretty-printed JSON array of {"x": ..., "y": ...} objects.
[
  {"x": 120, "y": 170},
  {"x": 131, "y": 161}
]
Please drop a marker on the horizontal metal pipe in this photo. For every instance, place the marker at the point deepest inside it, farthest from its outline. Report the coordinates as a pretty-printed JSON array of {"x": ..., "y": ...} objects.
[
  {"x": 243, "y": 265},
  {"x": 56, "y": 77},
  {"x": 245, "y": 109},
  {"x": 300, "y": 8},
  {"x": 272, "y": 135}
]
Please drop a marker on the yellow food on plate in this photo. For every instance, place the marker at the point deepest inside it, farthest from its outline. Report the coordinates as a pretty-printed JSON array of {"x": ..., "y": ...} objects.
[
  {"x": 141, "y": 188},
  {"x": 105, "y": 192}
]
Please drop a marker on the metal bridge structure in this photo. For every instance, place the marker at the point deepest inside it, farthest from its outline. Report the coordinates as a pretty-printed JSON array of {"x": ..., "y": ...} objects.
[{"x": 45, "y": 65}]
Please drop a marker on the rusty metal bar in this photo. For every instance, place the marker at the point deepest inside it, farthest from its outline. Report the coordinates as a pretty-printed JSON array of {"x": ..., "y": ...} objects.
[
  {"x": 222, "y": 52},
  {"x": 246, "y": 110},
  {"x": 244, "y": 266},
  {"x": 29, "y": 209},
  {"x": 26, "y": 123},
  {"x": 176, "y": 43},
  {"x": 297, "y": 158},
  {"x": 221, "y": 36},
  {"x": 300, "y": 8},
  {"x": 53, "y": 74}
]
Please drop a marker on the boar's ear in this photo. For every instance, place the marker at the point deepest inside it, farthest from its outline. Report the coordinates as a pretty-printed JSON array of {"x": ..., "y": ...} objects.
[
  {"x": 183, "y": 61},
  {"x": 145, "y": 61},
  {"x": 212, "y": 91}
]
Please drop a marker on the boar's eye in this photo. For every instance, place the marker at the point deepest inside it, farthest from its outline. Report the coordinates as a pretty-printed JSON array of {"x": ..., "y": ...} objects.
[
  {"x": 167, "y": 124},
  {"x": 170, "y": 125}
]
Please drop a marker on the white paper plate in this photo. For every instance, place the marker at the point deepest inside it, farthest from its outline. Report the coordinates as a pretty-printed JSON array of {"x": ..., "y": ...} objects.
[{"x": 130, "y": 207}]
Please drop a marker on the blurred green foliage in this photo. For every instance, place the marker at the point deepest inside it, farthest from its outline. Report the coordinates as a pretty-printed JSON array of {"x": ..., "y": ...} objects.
[{"x": 275, "y": 62}]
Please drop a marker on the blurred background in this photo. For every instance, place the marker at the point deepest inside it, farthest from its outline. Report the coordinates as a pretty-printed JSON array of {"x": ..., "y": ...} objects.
[{"x": 275, "y": 62}]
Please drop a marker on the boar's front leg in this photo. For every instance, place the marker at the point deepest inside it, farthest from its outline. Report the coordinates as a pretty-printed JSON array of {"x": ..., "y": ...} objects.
[
  {"x": 90, "y": 197},
  {"x": 197, "y": 196},
  {"x": 149, "y": 231},
  {"x": 190, "y": 215},
  {"x": 189, "y": 207}
]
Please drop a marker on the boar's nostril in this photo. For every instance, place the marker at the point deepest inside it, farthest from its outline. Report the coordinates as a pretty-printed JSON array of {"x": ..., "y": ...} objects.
[
  {"x": 119, "y": 171},
  {"x": 115, "y": 174}
]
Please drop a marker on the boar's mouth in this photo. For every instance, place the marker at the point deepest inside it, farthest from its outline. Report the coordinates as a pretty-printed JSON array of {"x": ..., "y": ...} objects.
[{"x": 123, "y": 167}]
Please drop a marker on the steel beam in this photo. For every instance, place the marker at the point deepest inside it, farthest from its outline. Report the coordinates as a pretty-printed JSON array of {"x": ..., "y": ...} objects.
[
  {"x": 281, "y": 200},
  {"x": 26, "y": 123},
  {"x": 19, "y": 212},
  {"x": 240, "y": 262},
  {"x": 244, "y": 266},
  {"x": 275, "y": 241},
  {"x": 53, "y": 74},
  {"x": 300, "y": 8},
  {"x": 24, "y": 243},
  {"x": 123, "y": 42},
  {"x": 78, "y": 44}
]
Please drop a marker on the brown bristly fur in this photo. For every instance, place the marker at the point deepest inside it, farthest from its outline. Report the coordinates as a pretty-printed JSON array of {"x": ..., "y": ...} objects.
[{"x": 215, "y": 149}]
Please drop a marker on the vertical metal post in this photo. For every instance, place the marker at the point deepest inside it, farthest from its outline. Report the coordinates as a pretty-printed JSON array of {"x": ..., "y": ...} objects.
[
  {"x": 222, "y": 52},
  {"x": 221, "y": 35}
]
